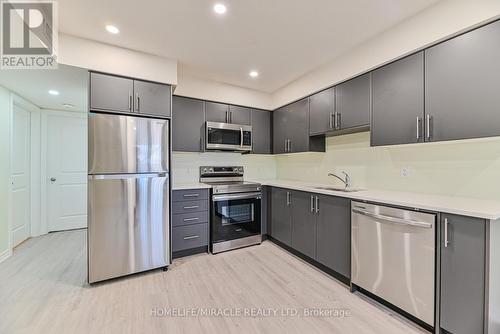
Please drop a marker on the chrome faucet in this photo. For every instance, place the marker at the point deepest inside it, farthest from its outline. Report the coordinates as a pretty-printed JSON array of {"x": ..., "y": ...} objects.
[{"x": 346, "y": 180}]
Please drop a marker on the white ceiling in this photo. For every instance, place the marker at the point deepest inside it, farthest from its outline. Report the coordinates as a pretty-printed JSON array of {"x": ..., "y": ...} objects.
[
  {"x": 71, "y": 83},
  {"x": 282, "y": 39}
]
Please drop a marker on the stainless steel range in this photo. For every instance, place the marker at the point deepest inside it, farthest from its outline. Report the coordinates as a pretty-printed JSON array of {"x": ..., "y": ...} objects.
[{"x": 235, "y": 208}]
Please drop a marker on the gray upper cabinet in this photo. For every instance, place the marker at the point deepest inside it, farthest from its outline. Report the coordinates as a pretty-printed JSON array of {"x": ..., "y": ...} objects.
[
  {"x": 261, "y": 132},
  {"x": 462, "y": 77},
  {"x": 152, "y": 98},
  {"x": 111, "y": 93},
  {"x": 239, "y": 115},
  {"x": 303, "y": 223},
  {"x": 352, "y": 103},
  {"x": 217, "y": 112},
  {"x": 187, "y": 123},
  {"x": 281, "y": 224},
  {"x": 334, "y": 233},
  {"x": 398, "y": 102},
  {"x": 462, "y": 274},
  {"x": 321, "y": 109},
  {"x": 291, "y": 131}
]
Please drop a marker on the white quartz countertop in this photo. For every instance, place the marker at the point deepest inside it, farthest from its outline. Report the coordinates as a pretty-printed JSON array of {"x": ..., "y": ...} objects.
[
  {"x": 189, "y": 185},
  {"x": 485, "y": 209}
]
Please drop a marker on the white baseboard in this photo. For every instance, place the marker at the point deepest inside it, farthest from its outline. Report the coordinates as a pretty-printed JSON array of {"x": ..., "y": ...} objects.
[{"x": 5, "y": 255}]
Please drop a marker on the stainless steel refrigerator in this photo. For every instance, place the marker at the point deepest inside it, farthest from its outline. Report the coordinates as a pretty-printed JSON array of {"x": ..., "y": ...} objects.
[{"x": 128, "y": 195}]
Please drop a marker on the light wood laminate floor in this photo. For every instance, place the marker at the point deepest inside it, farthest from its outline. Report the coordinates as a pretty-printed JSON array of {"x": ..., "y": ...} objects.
[{"x": 43, "y": 289}]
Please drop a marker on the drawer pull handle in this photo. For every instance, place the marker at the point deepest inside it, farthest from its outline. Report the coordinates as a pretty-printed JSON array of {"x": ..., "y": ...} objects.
[
  {"x": 190, "y": 219},
  {"x": 191, "y": 195},
  {"x": 191, "y": 207},
  {"x": 191, "y": 237}
]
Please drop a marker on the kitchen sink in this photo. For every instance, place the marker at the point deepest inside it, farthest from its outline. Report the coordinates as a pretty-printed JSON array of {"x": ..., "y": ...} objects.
[{"x": 347, "y": 190}]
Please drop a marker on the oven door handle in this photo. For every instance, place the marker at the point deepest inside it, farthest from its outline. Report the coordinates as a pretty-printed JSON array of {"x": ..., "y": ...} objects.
[{"x": 219, "y": 198}]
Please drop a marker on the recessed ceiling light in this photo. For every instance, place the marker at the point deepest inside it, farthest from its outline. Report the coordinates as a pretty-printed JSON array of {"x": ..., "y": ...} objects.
[
  {"x": 68, "y": 105},
  {"x": 53, "y": 92},
  {"x": 253, "y": 74},
  {"x": 220, "y": 8},
  {"x": 112, "y": 29}
]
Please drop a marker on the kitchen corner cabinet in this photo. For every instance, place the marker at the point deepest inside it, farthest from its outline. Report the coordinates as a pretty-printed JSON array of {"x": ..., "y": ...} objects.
[
  {"x": 352, "y": 103},
  {"x": 321, "y": 112},
  {"x": 124, "y": 95},
  {"x": 463, "y": 244},
  {"x": 281, "y": 223},
  {"x": 398, "y": 102},
  {"x": 461, "y": 85},
  {"x": 291, "y": 131},
  {"x": 240, "y": 115},
  {"x": 261, "y": 131},
  {"x": 188, "y": 121}
]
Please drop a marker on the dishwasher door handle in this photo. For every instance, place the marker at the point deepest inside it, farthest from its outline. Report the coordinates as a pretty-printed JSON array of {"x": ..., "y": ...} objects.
[{"x": 394, "y": 220}]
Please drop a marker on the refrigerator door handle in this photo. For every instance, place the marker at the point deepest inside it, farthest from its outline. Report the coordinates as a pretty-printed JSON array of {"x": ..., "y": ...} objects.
[{"x": 126, "y": 176}]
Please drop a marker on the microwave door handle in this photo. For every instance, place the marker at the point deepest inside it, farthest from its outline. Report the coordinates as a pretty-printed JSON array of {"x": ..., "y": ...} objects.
[{"x": 241, "y": 137}]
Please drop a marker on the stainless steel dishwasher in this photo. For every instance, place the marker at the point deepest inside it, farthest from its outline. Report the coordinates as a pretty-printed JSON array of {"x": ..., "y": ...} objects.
[{"x": 393, "y": 256}]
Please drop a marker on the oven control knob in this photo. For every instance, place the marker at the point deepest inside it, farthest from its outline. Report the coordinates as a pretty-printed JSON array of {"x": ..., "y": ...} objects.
[
  {"x": 241, "y": 170},
  {"x": 211, "y": 170},
  {"x": 204, "y": 170}
]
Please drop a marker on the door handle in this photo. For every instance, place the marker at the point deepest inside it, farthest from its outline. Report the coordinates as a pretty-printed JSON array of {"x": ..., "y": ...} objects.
[
  {"x": 317, "y": 204},
  {"x": 446, "y": 241},
  {"x": 312, "y": 203},
  {"x": 53, "y": 179},
  {"x": 428, "y": 126},
  {"x": 241, "y": 137}
]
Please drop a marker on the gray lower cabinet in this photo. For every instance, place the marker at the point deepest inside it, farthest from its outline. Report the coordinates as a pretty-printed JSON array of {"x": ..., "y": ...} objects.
[
  {"x": 111, "y": 93},
  {"x": 461, "y": 85},
  {"x": 261, "y": 132},
  {"x": 321, "y": 111},
  {"x": 303, "y": 223},
  {"x": 152, "y": 98},
  {"x": 462, "y": 274},
  {"x": 217, "y": 112},
  {"x": 291, "y": 131},
  {"x": 398, "y": 102},
  {"x": 240, "y": 115},
  {"x": 188, "y": 120},
  {"x": 281, "y": 224},
  {"x": 333, "y": 224},
  {"x": 190, "y": 221},
  {"x": 352, "y": 103}
]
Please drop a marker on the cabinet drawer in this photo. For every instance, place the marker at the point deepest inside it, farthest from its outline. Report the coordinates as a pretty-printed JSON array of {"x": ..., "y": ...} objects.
[
  {"x": 190, "y": 236},
  {"x": 190, "y": 218},
  {"x": 189, "y": 206},
  {"x": 189, "y": 195}
]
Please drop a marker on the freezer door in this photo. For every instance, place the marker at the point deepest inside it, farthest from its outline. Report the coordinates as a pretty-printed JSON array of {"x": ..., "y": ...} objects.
[
  {"x": 128, "y": 224},
  {"x": 127, "y": 144}
]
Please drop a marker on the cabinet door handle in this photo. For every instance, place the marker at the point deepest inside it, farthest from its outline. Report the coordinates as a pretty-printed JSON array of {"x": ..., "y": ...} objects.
[
  {"x": 330, "y": 121},
  {"x": 130, "y": 101},
  {"x": 418, "y": 128},
  {"x": 230, "y": 116},
  {"x": 289, "y": 145},
  {"x": 339, "y": 121},
  {"x": 428, "y": 126},
  {"x": 191, "y": 237},
  {"x": 191, "y": 207},
  {"x": 446, "y": 241},
  {"x": 191, "y": 195},
  {"x": 190, "y": 219},
  {"x": 312, "y": 203},
  {"x": 288, "y": 200},
  {"x": 138, "y": 101},
  {"x": 317, "y": 204},
  {"x": 285, "y": 145}
]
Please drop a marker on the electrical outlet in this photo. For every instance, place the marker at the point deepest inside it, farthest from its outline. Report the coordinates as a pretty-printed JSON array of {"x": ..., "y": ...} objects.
[{"x": 405, "y": 171}]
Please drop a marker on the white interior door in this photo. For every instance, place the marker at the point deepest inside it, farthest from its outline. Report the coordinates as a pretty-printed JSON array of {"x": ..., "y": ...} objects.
[
  {"x": 20, "y": 175},
  {"x": 66, "y": 171}
]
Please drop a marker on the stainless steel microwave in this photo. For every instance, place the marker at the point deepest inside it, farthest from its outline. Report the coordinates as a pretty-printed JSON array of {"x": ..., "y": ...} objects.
[{"x": 228, "y": 137}]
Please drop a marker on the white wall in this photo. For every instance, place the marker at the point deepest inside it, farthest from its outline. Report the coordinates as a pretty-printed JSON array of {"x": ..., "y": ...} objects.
[
  {"x": 444, "y": 19},
  {"x": 191, "y": 86},
  {"x": 466, "y": 168},
  {"x": 84, "y": 53},
  {"x": 185, "y": 166},
  {"x": 5, "y": 110}
]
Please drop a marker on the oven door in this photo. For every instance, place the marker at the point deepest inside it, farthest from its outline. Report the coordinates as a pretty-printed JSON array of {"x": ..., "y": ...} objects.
[
  {"x": 235, "y": 216},
  {"x": 225, "y": 136}
]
